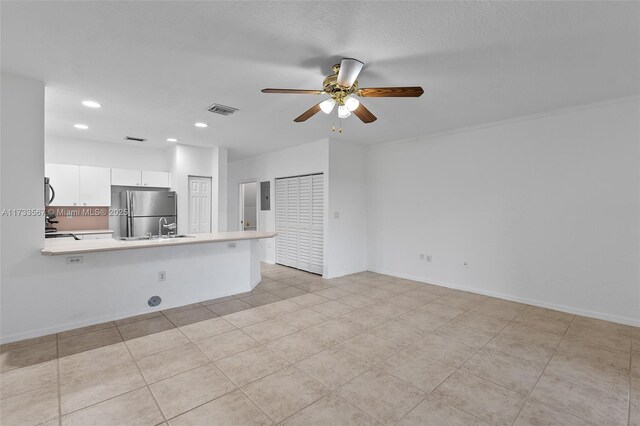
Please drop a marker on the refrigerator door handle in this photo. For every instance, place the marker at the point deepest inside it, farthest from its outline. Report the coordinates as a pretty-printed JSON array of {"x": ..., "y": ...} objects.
[{"x": 130, "y": 215}]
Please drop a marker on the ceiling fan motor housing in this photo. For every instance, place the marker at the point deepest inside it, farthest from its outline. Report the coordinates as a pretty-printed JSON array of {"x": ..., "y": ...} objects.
[{"x": 337, "y": 92}]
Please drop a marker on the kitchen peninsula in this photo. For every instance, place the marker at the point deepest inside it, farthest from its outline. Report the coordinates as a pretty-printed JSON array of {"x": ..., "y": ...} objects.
[
  {"x": 109, "y": 279},
  {"x": 69, "y": 246}
]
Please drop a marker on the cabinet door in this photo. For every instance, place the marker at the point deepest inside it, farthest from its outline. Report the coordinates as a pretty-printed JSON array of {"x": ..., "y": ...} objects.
[
  {"x": 126, "y": 177},
  {"x": 95, "y": 186},
  {"x": 65, "y": 181},
  {"x": 155, "y": 179}
]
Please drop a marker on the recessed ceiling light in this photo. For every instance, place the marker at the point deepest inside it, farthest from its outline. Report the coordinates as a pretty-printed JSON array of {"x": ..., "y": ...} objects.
[
  {"x": 172, "y": 140},
  {"x": 91, "y": 104},
  {"x": 81, "y": 126},
  {"x": 201, "y": 125}
]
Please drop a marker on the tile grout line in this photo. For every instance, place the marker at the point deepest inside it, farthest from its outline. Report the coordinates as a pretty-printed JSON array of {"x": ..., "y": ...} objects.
[
  {"x": 135, "y": 362},
  {"x": 542, "y": 374},
  {"x": 220, "y": 370},
  {"x": 460, "y": 366},
  {"x": 59, "y": 383},
  {"x": 629, "y": 392}
]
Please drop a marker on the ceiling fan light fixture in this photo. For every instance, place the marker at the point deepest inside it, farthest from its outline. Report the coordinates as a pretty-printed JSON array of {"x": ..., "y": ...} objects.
[
  {"x": 351, "y": 103},
  {"x": 343, "y": 111},
  {"x": 327, "y": 106}
]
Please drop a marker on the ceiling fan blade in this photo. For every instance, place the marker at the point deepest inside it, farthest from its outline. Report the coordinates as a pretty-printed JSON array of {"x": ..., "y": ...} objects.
[
  {"x": 364, "y": 114},
  {"x": 349, "y": 70},
  {"x": 308, "y": 113},
  {"x": 293, "y": 91},
  {"x": 391, "y": 92}
]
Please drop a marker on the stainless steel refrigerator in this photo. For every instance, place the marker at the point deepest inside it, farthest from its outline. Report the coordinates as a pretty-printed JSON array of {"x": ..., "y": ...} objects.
[{"x": 145, "y": 210}]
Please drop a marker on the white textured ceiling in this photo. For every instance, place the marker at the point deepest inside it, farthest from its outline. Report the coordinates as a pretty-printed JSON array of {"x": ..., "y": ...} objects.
[{"x": 156, "y": 66}]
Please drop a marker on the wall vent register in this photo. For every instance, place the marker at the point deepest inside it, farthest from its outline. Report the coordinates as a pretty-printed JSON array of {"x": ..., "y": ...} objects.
[
  {"x": 222, "y": 109},
  {"x": 132, "y": 139}
]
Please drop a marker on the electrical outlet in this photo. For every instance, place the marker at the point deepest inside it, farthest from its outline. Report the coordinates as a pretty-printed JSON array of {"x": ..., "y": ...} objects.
[
  {"x": 465, "y": 264},
  {"x": 74, "y": 260},
  {"x": 232, "y": 245},
  {"x": 162, "y": 276},
  {"x": 428, "y": 258},
  {"x": 421, "y": 257}
]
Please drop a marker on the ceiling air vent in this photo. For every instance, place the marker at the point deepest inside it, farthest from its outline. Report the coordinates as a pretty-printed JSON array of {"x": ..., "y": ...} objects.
[
  {"x": 221, "y": 109},
  {"x": 132, "y": 139}
]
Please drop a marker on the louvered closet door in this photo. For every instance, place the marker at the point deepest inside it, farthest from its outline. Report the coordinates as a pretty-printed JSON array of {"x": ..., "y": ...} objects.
[
  {"x": 317, "y": 224},
  {"x": 304, "y": 223},
  {"x": 281, "y": 222},
  {"x": 292, "y": 221},
  {"x": 299, "y": 222}
]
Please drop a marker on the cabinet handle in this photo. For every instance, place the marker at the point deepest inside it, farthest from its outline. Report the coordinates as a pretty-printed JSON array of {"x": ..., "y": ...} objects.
[
  {"x": 84, "y": 204},
  {"x": 75, "y": 204},
  {"x": 138, "y": 183}
]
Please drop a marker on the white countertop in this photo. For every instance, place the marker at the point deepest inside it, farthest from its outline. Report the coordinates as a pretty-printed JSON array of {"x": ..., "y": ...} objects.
[
  {"x": 66, "y": 246},
  {"x": 83, "y": 232}
]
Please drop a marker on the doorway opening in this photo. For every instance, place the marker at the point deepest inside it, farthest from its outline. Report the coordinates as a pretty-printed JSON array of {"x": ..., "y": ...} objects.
[
  {"x": 199, "y": 204},
  {"x": 249, "y": 206}
]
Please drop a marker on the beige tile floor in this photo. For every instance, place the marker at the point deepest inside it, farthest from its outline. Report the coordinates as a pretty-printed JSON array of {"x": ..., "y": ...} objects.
[{"x": 366, "y": 349}]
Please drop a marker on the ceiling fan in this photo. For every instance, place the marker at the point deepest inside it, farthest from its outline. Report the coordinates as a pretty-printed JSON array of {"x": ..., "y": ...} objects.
[{"x": 342, "y": 87}]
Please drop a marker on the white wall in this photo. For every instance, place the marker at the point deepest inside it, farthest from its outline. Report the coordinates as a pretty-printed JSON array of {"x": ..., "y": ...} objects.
[
  {"x": 346, "y": 252},
  {"x": 197, "y": 161},
  {"x": 64, "y": 150},
  {"x": 21, "y": 183},
  {"x": 544, "y": 210},
  {"x": 301, "y": 160},
  {"x": 220, "y": 160}
]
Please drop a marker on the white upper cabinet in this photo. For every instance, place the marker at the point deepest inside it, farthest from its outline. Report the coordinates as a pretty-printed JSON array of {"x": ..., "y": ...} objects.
[
  {"x": 131, "y": 177},
  {"x": 65, "y": 180},
  {"x": 79, "y": 185},
  {"x": 95, "y": 186},
  {"x": 155, "y": 179},
  {"x": 126, "y": 177}
]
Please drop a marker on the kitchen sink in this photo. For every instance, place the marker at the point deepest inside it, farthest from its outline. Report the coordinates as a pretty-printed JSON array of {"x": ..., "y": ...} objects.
[{"x": 155, "y": 237}]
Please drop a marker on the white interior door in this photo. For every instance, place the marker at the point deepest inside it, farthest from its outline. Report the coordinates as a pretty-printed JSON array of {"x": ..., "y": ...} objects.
[
  {"x": 300, "y": 222},
  {"x": 199, "y": 204}
]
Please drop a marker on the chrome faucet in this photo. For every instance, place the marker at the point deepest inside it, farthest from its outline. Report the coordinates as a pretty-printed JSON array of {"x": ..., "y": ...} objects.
[
  {"x": 167, "y": 225},
  {"x": 160, "y": 225}
]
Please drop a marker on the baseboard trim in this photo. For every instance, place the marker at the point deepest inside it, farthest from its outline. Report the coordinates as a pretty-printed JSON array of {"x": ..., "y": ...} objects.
[
  {"x": 92, "y": 321},
  {"x": 342, "y": 274},
  {"x": 563, "y": 308}
]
